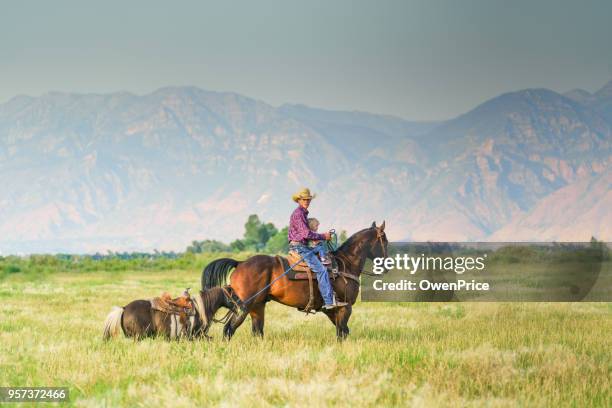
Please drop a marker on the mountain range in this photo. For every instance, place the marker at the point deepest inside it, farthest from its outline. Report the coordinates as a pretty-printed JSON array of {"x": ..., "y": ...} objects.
[{"x": 91, "y": 172}]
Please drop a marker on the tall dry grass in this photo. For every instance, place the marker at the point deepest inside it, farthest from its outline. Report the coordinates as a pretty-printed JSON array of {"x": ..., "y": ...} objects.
[{"x": 416, "y": 354}]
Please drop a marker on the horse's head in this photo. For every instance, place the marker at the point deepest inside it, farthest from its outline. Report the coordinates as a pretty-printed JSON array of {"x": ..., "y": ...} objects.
[
  {"x": 378, "y": 241},
  {"x": 369, "y": 243}
]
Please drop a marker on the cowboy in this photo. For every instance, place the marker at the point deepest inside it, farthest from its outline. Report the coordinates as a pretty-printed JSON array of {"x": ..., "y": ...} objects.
[{"x": 299, "y": 234}]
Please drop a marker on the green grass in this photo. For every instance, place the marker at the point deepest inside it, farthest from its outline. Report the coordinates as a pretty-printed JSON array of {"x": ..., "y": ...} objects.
[{"x": 413, "y": 354}]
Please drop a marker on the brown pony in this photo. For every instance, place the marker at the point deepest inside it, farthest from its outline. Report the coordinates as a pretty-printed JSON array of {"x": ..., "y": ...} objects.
[
  {"x": 139, "y": 319},
  {"x": 259, "y": 279}
]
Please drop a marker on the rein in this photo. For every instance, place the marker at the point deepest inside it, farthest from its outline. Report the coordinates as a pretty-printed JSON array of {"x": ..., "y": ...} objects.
[
  {"x": 368, "y": 273},
  {"x": 379, "y": 240},
  {"x": 226, "y": 317}
]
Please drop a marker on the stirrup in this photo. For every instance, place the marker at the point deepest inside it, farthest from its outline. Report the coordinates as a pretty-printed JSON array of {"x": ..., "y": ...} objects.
[{"x": 335, "y": 305}]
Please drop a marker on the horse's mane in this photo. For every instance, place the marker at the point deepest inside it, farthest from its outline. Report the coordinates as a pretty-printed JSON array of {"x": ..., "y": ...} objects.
[
  {"x": 211, "y": 301},
  {"x": 351, "y": 240}
]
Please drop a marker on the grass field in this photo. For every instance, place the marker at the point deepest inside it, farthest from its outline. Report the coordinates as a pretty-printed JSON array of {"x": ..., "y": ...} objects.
[{"x": 413, "y": 354}]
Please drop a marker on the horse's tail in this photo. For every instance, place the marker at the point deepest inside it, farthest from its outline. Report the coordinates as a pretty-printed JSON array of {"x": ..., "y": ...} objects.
[
  {"x": 215, "y": 273},
  {"x": 112, "y": 325}
]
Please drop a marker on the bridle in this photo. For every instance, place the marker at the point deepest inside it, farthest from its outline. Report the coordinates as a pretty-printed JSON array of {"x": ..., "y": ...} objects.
[
  {"x": 379, "y": 240},
  {"x": 379, "y": 237}
]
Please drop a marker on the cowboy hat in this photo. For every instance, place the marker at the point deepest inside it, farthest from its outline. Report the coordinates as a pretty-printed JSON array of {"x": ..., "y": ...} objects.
[{"x": 303, "y": 194}]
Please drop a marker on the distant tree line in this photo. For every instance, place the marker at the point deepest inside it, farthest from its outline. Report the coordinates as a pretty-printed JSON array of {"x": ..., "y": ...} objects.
[{"x": 258, "y": 237}]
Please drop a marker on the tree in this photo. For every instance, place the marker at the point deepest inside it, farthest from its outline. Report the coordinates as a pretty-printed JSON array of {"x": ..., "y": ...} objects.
[
  {"x": 258, "y": 236},
  {"x": 208, "y": 245},
  {"x": 270, "y": 230},
  {"x": 256, "y": 233},
  {"x": 237, "y": 245},
  {"x": 252, "y": 229},
  {"x": 278, "y": 243}
]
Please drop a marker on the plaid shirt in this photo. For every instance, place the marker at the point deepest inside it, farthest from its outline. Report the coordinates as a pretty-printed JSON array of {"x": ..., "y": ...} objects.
[{"x": 298, "y": 227}]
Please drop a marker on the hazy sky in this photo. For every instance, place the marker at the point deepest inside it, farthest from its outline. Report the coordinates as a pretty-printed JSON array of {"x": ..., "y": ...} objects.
[{"x": 417, "y": 59}]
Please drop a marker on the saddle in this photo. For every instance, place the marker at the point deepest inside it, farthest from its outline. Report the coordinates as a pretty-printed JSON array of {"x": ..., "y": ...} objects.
[
  {"x": 181, "y": 306},
  {"x": 300, "y": 269}
]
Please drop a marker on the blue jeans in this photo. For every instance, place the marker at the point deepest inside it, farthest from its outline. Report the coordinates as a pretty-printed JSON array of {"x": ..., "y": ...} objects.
[
  {"x": 317, "y": 267},
  {"x": 320, "y": 249}
]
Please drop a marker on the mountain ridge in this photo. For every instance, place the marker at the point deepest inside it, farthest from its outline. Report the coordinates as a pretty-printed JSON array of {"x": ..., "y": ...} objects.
[{"x": 122, "y": 171}]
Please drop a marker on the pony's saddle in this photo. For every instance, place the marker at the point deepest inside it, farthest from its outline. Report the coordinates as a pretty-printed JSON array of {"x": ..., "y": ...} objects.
[{"x": 182, "y": 306}]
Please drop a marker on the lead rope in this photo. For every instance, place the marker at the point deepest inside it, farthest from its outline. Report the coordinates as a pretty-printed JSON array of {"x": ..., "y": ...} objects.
[
  {"x": 275, "y": 279},
  {"x": 225, "y": 317}
]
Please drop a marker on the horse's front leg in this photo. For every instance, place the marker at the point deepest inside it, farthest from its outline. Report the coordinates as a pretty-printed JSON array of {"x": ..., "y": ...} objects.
[
  {"x": 335, "y": 317},
  {"x": 331, "y": 314},
  {"x": 343, "y": 315}
]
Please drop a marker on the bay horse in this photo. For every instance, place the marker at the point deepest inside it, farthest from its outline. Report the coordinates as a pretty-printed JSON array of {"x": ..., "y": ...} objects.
[
  {"x": 139, "y": 318},
  {"x": 258, "y": 280}
]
